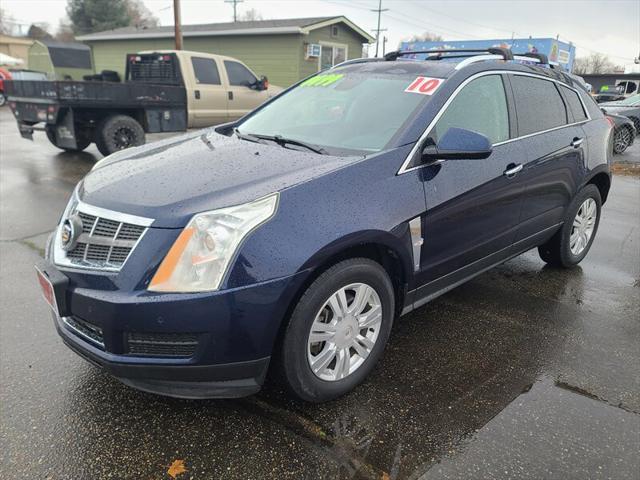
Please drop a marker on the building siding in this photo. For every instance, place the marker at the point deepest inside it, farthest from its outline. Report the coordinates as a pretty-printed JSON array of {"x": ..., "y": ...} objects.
[
  {"x": 345, "y": 36},
  {"x": 270, "y": 55}
]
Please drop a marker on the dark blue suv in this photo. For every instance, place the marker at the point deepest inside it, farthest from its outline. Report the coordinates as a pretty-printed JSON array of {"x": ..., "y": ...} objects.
[{"x": 290, "y": 240}]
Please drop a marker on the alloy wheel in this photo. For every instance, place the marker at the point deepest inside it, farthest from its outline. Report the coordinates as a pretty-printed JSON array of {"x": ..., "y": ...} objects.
[
  {"x": 621, "y": 140},
  {"x": 583, "y": 226},
  {"x": 344, "y": 332}
]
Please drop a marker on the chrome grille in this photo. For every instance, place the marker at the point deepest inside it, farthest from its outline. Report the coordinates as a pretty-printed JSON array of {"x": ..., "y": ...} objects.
[{"x": 106, "y": 241}]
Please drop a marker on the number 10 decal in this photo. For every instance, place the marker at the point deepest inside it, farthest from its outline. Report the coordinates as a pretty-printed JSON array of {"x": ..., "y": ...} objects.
[{"x": 424, "y": 85}]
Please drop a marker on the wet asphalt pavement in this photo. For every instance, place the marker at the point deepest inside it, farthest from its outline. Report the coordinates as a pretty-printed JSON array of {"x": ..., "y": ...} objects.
[{"x": 524, "y": 372}]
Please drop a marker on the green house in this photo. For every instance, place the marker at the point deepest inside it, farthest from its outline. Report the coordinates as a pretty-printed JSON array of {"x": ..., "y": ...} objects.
[
  {"x": 60, "y": 60},
  {"x": 283, "y": 50}
]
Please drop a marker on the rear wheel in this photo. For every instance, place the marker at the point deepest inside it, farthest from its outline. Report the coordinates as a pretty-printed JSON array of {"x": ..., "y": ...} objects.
[
  {"x": 82, "y": 140},
  {"x": 118, "y": 132},
  {"x": 572, "y": 242},
  {"x": 621, "y": 139},
  {"x": 338, "y": 330}
]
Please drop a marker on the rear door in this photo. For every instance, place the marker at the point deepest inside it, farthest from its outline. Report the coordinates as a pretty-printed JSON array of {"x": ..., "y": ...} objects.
[
  {"x": 242, "y": 97},
  {"x": 206, "y": 93},
  {"x": 555, "y": 147},
  {"x": 473, "y": 206}
]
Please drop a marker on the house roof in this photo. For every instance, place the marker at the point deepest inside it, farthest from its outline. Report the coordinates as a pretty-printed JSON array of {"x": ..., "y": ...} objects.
[{"x": 255, "y": 27}]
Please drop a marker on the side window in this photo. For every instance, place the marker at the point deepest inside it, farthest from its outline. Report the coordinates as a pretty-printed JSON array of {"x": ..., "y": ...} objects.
[
  {"x": 480, "y": 106},
  {"x": 206, "y": 71},
  {"x": 538, "y": 103},
  {"x": 238, "y": 74},
  {"x": 574, "y": 104}
]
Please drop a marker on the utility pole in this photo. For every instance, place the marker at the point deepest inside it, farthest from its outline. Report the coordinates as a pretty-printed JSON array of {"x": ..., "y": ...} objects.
[
  {"x": 235, "y": 8},
  {"x": 177, "y": 24},
  {"x": 378, "y": 30}
]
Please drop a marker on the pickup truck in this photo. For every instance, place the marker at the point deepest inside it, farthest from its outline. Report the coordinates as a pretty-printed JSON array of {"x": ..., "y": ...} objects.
[{"x": 163, "y": 91}]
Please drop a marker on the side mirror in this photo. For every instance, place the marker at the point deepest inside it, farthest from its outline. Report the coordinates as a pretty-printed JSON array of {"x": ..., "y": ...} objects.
[
  {"x": 459, "y": 144},
  {"x": 261, "y": 84}
]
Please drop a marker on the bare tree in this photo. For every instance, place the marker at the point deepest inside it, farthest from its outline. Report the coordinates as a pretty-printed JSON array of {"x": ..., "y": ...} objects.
[
  {"x": 425, "y": 37},
  {"x": 140, "y": 15},
  {"x": 65, "y": 32},
  {"x": 594, "y": 64},
  {"x": 250, "y": 15},
  {"x": 7, "y": 22}
]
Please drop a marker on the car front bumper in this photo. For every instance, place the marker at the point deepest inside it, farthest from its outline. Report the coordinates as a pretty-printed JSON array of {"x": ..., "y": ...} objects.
[{"x": 231, "y": 334}]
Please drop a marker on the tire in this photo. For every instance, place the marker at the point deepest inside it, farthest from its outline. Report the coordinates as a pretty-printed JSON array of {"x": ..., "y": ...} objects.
[
  {"x": 82, "y": 141},
  {"x": 3, "y": 99},
  {"x": 636, "y": 123},
  {"x": 622, "y": 139},
  {"x": 296, "y": 354},
  {"x": 118, "y": 132},
  {"x": 558, "y": 250}
]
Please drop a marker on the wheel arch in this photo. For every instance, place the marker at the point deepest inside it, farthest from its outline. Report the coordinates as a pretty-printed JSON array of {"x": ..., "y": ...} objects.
[
  {"x": 601, "y": 178},
  {"x": 382, "y": 247}
]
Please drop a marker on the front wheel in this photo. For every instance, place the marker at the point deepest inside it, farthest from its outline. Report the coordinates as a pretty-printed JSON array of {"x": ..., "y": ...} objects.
[
  {"x": 572, "y": 242},
  {"x": 3, "y": 99},
  {"x": 118, "y": 132},
  {"x": 338, "y": 330}
]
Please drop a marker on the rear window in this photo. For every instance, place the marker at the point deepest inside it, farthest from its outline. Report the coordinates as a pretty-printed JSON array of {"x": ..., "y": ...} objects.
[
  {"x": 205, "y": 71},
  {"x": 575, "y": 105},
  {"x": 539, "y": 104}
]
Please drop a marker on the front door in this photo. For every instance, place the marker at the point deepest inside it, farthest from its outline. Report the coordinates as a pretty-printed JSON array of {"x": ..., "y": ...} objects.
[
  {"x": 243, "y": 97},
  {"x": 473, "y": 206},
  {"x": 207, "y": 95}
]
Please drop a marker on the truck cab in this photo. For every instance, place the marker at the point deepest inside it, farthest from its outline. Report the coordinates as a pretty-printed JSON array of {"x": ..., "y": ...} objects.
[{"x": 219, "y": 88}]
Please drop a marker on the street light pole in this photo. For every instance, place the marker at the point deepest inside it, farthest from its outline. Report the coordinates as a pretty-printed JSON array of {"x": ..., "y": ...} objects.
[{"x": 177, "y": 24}]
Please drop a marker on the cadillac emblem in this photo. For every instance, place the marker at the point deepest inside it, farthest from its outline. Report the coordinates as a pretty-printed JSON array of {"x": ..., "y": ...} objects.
[{"x": 69, "y": 232}]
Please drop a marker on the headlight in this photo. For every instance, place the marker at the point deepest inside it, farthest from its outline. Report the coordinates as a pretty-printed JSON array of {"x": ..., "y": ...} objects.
[{"x": 202, "y": 253}]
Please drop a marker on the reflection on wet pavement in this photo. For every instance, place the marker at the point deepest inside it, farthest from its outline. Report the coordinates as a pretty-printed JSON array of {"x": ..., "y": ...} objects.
[{"x": 446, "y": 400}]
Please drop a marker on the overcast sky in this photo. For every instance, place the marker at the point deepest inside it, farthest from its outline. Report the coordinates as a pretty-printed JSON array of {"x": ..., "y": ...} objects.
[{"x": 607, "y": 26}]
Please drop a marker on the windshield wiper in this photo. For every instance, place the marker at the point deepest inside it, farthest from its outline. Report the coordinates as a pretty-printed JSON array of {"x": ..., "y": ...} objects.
[
  {"x": 280, "y": 140},
  {"x": 245, "y": 136}
]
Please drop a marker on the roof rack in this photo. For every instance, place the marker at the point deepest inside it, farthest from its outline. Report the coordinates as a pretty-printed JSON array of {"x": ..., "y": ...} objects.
[{"x": 504, "y": 53}]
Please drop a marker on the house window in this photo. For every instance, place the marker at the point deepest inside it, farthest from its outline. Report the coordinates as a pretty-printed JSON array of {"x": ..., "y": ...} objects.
[
  {"x": 331, "y": 55},
  {"x": 334, "y": 30}
]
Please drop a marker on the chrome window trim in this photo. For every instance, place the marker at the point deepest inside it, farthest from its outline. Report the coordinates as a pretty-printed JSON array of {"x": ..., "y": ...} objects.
[
  {"x": 405, "y": 165},
  {"x": 81, "y": 334},
  {"x": 59, "y": 255}
]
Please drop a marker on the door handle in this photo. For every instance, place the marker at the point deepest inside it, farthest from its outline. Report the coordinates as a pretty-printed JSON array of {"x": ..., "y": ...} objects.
[
  {"x": 230, "y": 95},
  {"x": 577, "y": 142},
  {"x": 512, "y": 169},
  {"x": 197, "y": 94}
]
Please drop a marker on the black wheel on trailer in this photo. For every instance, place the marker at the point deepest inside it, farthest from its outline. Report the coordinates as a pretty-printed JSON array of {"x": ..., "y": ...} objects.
[
  {"x": 82, "y": 140},
  {"x": 118, "y": 132}
]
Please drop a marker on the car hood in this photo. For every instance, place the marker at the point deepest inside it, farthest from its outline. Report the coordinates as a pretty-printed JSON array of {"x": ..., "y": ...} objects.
[{"x": 171, "y": 180}]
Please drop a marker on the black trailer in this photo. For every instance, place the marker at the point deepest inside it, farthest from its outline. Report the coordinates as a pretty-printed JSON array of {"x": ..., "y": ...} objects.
[{"x": 101, "y": 109}]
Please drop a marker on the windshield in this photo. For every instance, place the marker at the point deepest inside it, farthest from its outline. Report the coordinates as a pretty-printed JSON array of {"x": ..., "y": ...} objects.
[
  {"x": 635, "y": 100},
  {"x": 343, "y": 113}
]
